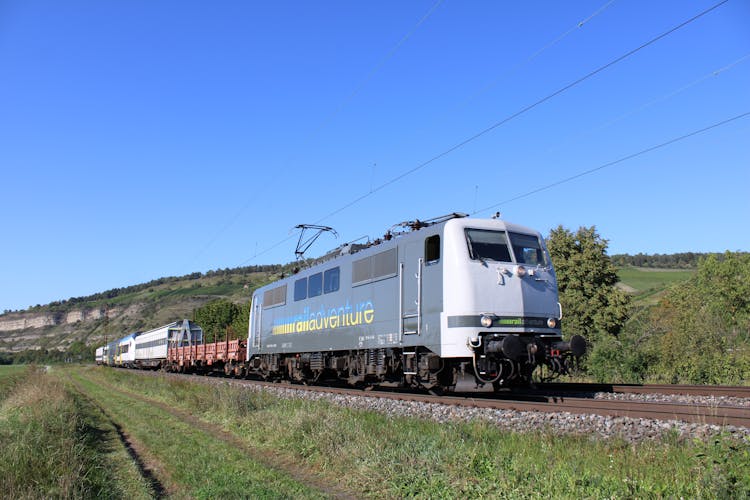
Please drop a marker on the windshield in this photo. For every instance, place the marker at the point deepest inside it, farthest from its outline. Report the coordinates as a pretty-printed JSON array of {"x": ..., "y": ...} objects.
[
  {"x": 488, "y": 245},
  {"x": 494, "y": 245},
  {"x": 528, "y": 249}
]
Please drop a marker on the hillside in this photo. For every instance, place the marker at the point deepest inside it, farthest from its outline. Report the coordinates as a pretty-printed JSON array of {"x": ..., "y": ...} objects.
[{"x": 116, "y": 312}]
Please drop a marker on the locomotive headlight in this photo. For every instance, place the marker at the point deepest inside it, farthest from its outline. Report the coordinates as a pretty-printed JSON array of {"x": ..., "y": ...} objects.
[
  {"x": 486, "y": 321},
  {"x": 552, "y": 322},
  {"x": 521, "y": 271}
]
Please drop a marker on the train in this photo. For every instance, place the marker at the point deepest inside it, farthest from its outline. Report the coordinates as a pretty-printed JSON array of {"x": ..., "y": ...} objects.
[
  {"x": 428, "y": 305},
  {"x": 148, "y": 350}
]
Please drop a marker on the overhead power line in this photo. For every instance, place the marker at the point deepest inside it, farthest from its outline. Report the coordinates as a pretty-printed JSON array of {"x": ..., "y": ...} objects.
[
  {"x": 536, "y": 54},
  {"x": 449, "y": 114},
  {"x": 572, "y": 177},
  {"x": 713, "y": 74},
  {"x": 327, "y": 119},
  {"x": 377, "y": 68},
  {"x": 522, "y": 111},
  {"x": 508, "y": 119},
  {"x": 615, "y": 162}
]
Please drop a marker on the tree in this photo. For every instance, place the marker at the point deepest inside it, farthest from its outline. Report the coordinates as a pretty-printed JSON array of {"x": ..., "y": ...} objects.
[
  {"x": 240, "y": 324},
  {"x": 79, "y": 351},
  {"x": 218, "y": 316},
  {"x": 586, "y": 279}
]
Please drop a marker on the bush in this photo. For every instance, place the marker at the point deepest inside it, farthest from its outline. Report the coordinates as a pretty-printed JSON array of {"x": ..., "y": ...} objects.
[{"x": 698, "y": 333}]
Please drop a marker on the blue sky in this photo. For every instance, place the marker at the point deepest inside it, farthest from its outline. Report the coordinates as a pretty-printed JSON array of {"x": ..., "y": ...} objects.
[{"x": 142, "y": 139}]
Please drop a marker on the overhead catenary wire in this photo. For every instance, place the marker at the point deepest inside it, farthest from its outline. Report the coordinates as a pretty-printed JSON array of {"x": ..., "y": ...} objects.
[
  {"x": 536, "y": 54},
  {"x": 615, "y": 162},
  {"x": 509, "y": 118},
  {"x": 713, "y": 74},
  {"x": 369, "y": 76},
  {"x": 580, "y": 174},
  {"x": 378, "y": 66},
  {"x": 556, "y": 40},
  {"x": 520, "y": 112}
]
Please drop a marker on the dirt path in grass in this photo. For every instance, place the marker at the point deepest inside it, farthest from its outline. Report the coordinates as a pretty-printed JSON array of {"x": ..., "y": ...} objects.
[
  {"x": 148, "y": 467},
  {"x": 269, "y": 459}
]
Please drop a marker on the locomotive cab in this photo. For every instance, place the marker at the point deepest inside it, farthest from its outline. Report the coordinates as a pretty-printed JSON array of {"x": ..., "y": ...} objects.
[{"x": 501, "y": 304}]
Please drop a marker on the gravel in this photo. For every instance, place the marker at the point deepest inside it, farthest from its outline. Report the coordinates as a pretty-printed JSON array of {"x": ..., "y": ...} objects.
[
  {"x": 713, "y": 401},
  {"x": 596, "y": 426}
]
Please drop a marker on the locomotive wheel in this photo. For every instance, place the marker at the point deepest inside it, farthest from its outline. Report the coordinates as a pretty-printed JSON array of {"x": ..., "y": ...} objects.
[{"x": 447, "y": 379}]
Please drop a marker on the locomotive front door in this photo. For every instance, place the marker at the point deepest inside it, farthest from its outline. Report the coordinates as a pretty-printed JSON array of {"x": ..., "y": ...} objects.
[{"x": 255, "y": 323}]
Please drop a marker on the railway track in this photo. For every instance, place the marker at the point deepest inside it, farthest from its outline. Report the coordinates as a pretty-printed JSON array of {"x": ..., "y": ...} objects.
[
  {"x": 686, "y": 412},
  {"x": 571, "y": 398},
  {"x": 686, "y": 390},
  {"x": 524, "y": 401}
]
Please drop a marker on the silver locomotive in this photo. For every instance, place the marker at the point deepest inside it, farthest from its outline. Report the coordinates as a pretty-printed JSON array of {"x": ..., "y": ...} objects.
[{"x": 430, "y": 304}]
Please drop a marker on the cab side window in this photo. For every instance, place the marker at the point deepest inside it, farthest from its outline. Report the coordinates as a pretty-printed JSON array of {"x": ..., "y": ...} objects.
[{"x": 432, "y": 249}]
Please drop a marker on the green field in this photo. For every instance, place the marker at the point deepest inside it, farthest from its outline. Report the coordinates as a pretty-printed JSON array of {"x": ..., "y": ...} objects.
[{"x": 646, "y": 284}]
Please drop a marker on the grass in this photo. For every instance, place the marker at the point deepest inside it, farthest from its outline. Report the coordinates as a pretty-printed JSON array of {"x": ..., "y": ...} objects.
[
  {"x": 222, "y": 290},
  {"x": 649, "y": 283},
  {"x": 192, "y": 462},
  {"x": 386, "y": 456},
  {"x": 10, "y": 375},
  {"x": 53, "y": 446},
  {"x": 63, "y": 436},
  {"x": 229, "y": 286}
]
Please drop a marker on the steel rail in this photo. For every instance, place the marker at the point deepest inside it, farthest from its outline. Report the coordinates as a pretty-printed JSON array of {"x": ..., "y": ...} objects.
[
  {"x": 686, "y": 412},
  {"x": 669, "y": 389}
]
